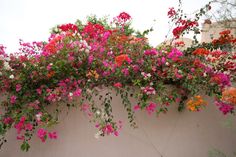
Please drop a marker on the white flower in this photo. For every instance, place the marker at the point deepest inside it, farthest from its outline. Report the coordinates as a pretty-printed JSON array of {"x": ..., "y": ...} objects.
[
  {"x": 87, "y": 51},
  {"x": 70, "y": 94},
  {"x": 167, "y": 63},
  {"x": 82, "y": 49},
  {"x": 0, "y": 73},
  {"x": 98, "y": 134},
  {"x": 204, "y": 74},
  {"x": 7, "y": 66},
  {"x": 38, "y": 116},
  {"x": 149, "y": 75},
  {"x": 24, "y": 65},
  {"x": 11, "y": 76},
  {"x": 98, "y": 112}
]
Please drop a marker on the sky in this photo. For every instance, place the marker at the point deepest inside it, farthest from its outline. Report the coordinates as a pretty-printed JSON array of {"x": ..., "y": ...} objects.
[{"x": 31, "y": 20}]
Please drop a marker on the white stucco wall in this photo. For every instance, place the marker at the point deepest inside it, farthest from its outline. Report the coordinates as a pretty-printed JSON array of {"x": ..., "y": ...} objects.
[{"x": 176, "y": 134}]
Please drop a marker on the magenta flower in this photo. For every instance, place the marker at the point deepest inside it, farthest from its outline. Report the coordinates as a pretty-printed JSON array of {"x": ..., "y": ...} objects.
[
  {"x": 224, "y": 107},
  {"x": 52, "y": 135},
  {"x": 90, "y": 59},
  {"x": 151, "y": 108},
  {"x": 175, "y": 54},
  {"x": 42, "y": 134},
  {"x": 77, "y": 92},
  {"x": 151, "y": 52},
  {"x": 118, "y": 85},
  {"x": 124, "y": 16},
  {"x": 22, "y": 137},
  {"x": 28, "y": 126},
  {"x": 18, "y": 87},
  {"x": 136, "y": 107},
  {"x": 13, "y": 99}
]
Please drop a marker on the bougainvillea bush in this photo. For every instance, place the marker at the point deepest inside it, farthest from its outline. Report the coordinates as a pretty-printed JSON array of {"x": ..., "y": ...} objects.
[{"x": 79, "y": 59}]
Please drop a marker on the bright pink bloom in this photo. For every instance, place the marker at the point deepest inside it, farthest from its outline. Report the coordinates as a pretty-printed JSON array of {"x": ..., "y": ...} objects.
[
  {"x": 42, "y": 134},
  {"x": 118, "y": 85},
  {"x": 68, "y": 27},
  {"x": 124, "y": 16},
  {"x": 171, "y": 12},
  {"x": 224, "y": 107},
  {"x": 49, "y": 67},
  {"x": 85, "y": 107},
  {"x": 151, "y": 52},
  {"x": 20, "y": 137},
  {"x": 136, "y": 107},
  {"x": 18, "y": 87},
  {"x": 116, "y": 133},
  {"x": 175, "y": 54},
  {"x": 39, "y": 91},
  {"x": 108, "y": 129},
  {"x": 28, "y": 126},
  {"x": 7, "y": 120},
  {"x": 151, "y": 108},
  {"x": 77, "y": 92},
  {"x": 52, "y": 135},
  {"x": 13, "y": 99},
  {"x": 125, "y": 71},
  {"x": 90, "y": 59}
]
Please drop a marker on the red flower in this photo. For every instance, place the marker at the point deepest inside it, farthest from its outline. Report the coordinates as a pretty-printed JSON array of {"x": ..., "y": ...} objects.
[
  {"x": 201, "y": 51},
  {"x": 171, "y": 12},
  {"x": 118, "y": 85},
  {"x": 121, "y": 58},
  {"x": 124, "y": 16},
  {"x": 69, "y": 27}
]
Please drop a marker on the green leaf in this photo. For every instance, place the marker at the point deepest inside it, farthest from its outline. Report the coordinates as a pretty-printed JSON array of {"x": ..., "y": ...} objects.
[{"x": 25, "y": 146}]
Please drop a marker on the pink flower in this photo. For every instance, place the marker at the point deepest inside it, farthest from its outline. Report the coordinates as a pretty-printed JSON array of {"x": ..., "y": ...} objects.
[
  {"x": 151, "y": 52},
  {"x": 77, "y": 92},
  {"x": 28, "y": 126},
  {"x": 224, "y": 107},
  {"x": 136, "y": 107},
  {"x": 39, "y": 91},
  {"x": 13, "y": 99},
  {"x": 18, "y": 87},
  {"x": 20, "y": 125},
  {"x": 108, "y": 129},
  {"x": 20, "y": 137},
  {"x": 116, "y": 133},
  {"x": 52, "y": 135},
  {"x": 49, "y": 67},
  {"x": 125, "y": 71},
  {"x": 175, "y": 54},
  {"x": 118, "y": 85},
  {"x": 7, "y": 120},
  {"x": 85, "y": 107},
  {"x": 124, "y": 16},
  {"x": 151, "y": 108},
  {"x": 38, "y": 116},
  {"x": 42, "y": 134},
  {"x": 90, "y": 59}
]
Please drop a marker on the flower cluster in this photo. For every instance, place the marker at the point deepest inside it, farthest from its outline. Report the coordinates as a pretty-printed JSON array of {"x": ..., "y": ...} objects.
[{"x": 196, "y": 103}]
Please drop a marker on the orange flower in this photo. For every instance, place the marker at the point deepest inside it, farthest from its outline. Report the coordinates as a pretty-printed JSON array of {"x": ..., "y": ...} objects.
[
  {"x": 93, "y": 73},
  {"x": 51, "y": 74},
  {"x": 201, "y": 52},
  {"x": 229, "y": 95},
  {"x": 121, "y": 58},
  {"x": 196, "y": 103}
]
